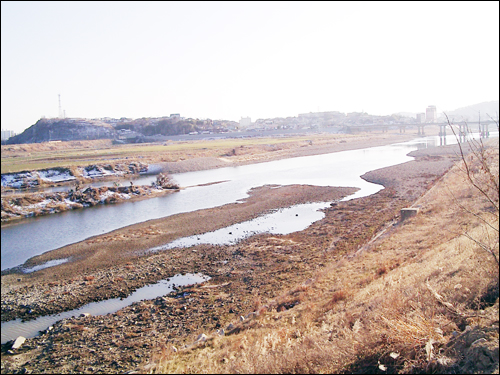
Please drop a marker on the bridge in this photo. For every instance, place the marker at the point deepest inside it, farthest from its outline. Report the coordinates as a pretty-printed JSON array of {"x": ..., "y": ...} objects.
[{"x": 463, "y": 127}]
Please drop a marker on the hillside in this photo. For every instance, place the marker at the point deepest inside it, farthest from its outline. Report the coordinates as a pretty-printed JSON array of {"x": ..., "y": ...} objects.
[
  {"x": 45, "y": 130},
  {"x": 122, "y": 130},
  {"x": 487, "y": 110}
]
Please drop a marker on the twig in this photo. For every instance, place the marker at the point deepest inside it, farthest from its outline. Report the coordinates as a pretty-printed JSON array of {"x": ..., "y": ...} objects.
[
  {"x": 467, "y": 168},
  {"x": 448, "y": 305}
]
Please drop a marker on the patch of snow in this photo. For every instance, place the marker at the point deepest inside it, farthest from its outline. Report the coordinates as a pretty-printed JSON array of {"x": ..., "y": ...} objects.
[
  {"x": 16, "y": 180},
  {"x": 50, "y": 263},
  {"x": 106, "y": 195},
  {"x": 41, "y": 204},
  {"x": 52, "y": 175},
  {"x": 94, "y": 172}
]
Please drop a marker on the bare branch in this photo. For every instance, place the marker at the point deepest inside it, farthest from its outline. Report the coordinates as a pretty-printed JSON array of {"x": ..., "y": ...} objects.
[
  {"x": 467, "y": 167},
  {"x": 482, "y": 246}
]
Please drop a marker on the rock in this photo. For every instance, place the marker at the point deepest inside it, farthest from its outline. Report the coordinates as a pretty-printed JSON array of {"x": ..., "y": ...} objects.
[
  {"x": 242, "y": 318},
  {"x": 19, "y": 341},
  {"x": 84, "y": 315},
  {"x": 251, "y": 315},
  {"x": 220, "y": 332},
  {"x": 230, "y": 327},
  {"x": 201, "y": 338}
]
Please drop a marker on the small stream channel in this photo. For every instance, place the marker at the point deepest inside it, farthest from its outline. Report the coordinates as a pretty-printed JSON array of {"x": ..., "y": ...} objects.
[{"x": 14, "y": 328}]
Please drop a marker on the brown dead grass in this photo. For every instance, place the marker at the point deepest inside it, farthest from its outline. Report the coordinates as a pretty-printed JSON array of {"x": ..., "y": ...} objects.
[{"x": 396, "y": 307}]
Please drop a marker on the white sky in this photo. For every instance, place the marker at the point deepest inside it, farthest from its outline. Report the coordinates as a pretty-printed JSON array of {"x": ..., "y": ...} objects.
[{"x": 225, "y": 60}]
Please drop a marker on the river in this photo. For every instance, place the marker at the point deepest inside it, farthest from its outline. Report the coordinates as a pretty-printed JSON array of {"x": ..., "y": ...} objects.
[
  {"x": 34, "y": 236},
  {"x": 336, "y": 169}
]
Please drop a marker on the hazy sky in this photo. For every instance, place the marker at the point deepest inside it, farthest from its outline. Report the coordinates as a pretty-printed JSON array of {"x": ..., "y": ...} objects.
[{"x": 225, "y": 60}]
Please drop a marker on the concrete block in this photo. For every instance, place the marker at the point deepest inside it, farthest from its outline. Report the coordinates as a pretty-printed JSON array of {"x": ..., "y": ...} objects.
[{"x": 408, "y": 212}]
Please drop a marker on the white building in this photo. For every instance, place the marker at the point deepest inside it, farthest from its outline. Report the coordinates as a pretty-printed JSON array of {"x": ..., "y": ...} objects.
[
  {"x": 6, "y": 134},
  {"x": 420, "y": 118},
  {"x": 245, "y": 122},
  {"x": 431, "y": 114},
  {"x": 175, "y": 117}
]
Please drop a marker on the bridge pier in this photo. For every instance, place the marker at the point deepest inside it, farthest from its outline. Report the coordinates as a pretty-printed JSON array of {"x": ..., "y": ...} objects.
[
  {"x": 402, "y": 129},
  {"x": 420, "y": 129},
  {"x": 442, "y": 130},
  {"x": 484, "y": 132},
  {"x": 442, "y": 135},
  {"x": 462, "y": 132}
]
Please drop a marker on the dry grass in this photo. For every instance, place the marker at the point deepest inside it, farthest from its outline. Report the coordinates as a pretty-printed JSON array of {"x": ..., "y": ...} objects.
[
  {"x": 394, "y": 308},
  {"x": 24, "y": 157}
]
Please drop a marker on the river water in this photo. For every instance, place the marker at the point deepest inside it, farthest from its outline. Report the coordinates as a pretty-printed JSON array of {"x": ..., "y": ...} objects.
[
  {"x": 34, "y": 236},
  {"x": 14, "y": 328}
]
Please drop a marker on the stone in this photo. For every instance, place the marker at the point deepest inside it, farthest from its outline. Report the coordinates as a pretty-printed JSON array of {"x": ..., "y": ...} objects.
[
  {"x": 251, "y": 315},
  {"x": 201, "y": 338},
  {"x": 84, "y": 315},
  {"x": 19, "y": 341}
]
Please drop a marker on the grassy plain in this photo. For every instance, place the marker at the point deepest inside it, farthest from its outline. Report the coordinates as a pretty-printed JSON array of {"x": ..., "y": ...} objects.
[{"x": 16, "y": 158}]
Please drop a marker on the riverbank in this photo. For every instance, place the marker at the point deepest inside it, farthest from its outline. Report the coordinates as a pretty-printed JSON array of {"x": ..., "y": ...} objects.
[
  {"x": 271, "y": 276},
  {"x": 16, "y": 207}
]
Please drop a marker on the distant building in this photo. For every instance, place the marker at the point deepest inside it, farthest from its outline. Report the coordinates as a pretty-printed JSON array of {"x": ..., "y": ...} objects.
[
  {"x": 6, "y": 134},
  {"x": 431, "y": 114},
  {"x": 420, "y": 118},
  {"x": 174, "y": 117},
  {"x": 310, "y": 115},
  {"x": 245, "y": 122}
]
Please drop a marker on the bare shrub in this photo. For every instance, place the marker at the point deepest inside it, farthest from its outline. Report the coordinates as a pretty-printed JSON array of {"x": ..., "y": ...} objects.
[
  {"x": 165, "y": 181},
  {"x": 480, "y": 167}
]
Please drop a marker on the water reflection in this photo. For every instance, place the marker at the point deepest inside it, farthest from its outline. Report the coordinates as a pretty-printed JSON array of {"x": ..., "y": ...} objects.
[{"x": 282, "y": 221}]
